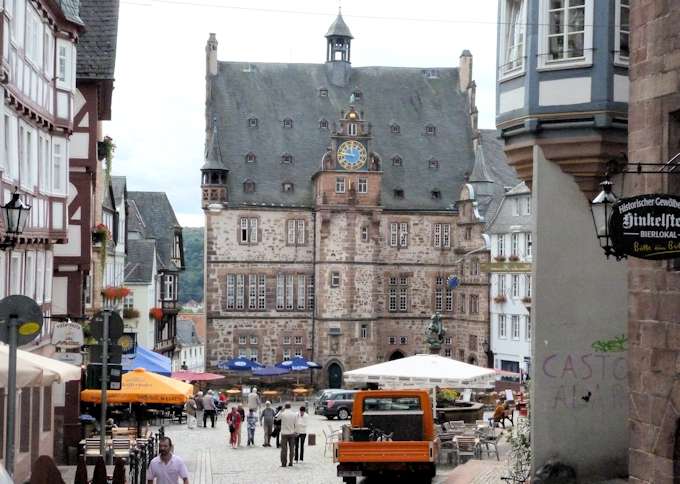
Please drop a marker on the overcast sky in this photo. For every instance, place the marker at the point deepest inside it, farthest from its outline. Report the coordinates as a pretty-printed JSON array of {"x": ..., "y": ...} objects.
[{"x": 159, "y": 97}]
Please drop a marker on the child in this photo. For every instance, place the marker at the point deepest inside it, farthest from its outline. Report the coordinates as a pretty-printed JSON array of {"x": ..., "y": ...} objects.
[{"x": 251, "y": 420}]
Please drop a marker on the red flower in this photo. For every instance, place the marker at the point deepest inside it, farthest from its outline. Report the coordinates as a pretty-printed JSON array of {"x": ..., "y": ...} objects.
[{"x": 156, "y": 313}]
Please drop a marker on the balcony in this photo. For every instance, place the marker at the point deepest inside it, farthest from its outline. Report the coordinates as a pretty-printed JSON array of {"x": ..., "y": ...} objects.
[{"x": 164, "y": 345}]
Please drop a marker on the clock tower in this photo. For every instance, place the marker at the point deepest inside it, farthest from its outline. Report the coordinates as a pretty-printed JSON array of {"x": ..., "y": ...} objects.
[{"x": 350, "y": 172}]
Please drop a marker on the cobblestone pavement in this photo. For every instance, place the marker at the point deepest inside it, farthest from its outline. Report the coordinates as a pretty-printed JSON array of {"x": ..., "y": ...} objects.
[{"x": 210, "y": 460}]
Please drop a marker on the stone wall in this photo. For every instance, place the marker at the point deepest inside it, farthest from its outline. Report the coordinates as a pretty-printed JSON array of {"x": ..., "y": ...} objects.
[
  {"x": 654, "y": 312},
  {"x": 349, "y": 253}
]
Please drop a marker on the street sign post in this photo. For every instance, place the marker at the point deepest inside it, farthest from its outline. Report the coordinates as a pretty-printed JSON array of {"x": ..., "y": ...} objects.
[{"x": 20, "y": 323}]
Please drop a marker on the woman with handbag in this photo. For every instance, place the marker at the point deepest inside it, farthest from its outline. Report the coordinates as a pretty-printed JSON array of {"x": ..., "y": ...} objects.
[{"x": 234, "y": 423}]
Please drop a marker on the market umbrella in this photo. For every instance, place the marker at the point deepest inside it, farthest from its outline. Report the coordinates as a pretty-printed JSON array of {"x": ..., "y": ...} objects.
[
  {"x": 141, "y": 386},
  {"x": 298, "y": 363},
  {"x": 270, "y": 371},
  {"x": 240, "y": 363},
  {"x": 195, "y": 376}
]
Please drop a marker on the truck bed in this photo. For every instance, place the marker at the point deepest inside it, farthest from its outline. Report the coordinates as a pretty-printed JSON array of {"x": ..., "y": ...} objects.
[{"x": 400, "y": 451}]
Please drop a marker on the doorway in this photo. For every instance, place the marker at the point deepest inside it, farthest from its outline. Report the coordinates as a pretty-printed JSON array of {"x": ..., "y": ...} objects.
[
  {"x": 334, "y": 376},
  {"x": 396, "y": 355}
]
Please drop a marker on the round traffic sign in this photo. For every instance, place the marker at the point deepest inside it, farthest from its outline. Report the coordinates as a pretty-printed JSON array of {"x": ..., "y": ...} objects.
[{"x": 28, "y": 315}]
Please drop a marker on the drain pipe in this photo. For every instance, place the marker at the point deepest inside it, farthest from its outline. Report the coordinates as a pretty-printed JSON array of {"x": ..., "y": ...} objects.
[{"x": 311, "y": 372}]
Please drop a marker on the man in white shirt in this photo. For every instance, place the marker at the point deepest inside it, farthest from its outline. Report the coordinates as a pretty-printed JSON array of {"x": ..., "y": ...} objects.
[
  {"x": 301, "y": 420},
  {"x": 288, "y": 418},
  {"x": 166, "y": 468},
  {"x": 254, "y": 401}
]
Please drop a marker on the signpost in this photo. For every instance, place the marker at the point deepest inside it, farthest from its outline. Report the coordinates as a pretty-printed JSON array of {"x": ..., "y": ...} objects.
[
  {"x": 20, "y": 323},
  {"x": 646, "y": 226}
]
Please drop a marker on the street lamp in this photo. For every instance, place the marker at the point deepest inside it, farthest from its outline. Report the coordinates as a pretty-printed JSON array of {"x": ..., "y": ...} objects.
[
  {"x": 15, "y": 215},
  {"x": 601, "y": 208}
]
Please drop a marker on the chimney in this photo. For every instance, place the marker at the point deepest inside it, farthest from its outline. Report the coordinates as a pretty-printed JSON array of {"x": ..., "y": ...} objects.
[
  {"x": 211, "y": 55},
  {"x": 465, "y": 70}
]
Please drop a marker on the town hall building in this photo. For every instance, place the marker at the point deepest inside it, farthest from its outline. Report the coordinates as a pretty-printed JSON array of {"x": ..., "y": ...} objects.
[{"x": 338, "y": 201}]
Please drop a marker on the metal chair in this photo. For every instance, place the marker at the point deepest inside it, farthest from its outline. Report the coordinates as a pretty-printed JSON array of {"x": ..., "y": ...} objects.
[
  {"x": 465, "y": 447},
  {"x": 121, "y": 448},
  {"x": 448, "y": 450},
  {"x": 92, "y": 448},
  {"x": 488, "y": 439}
]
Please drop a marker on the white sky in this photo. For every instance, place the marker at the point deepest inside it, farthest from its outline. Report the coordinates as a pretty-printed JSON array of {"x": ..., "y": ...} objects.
[{"x": 159, "y": 96}]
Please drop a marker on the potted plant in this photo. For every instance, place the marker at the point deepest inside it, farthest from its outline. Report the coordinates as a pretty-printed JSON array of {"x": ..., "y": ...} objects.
[
  {"x": 156, "y": 313},
  {"x": 500, "y": 258},
  {"x": 117, "y": 292},
  {"x": 130, "y": 313},
  {"x": 500, "y": 298},
  {"x": 514, "y": 258},
  {"x": 100, "y": 234}
]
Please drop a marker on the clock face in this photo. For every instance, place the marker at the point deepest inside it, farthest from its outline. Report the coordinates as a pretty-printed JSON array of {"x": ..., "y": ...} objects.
[{"x": 352, "y": 155}]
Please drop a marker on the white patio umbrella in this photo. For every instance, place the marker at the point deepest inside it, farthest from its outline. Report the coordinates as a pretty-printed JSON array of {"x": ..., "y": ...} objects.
[{"x": 424, "y": 371}]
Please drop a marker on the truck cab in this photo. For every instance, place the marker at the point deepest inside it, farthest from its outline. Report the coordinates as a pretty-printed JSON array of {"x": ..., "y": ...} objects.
[{"x": 392, "y": 433}]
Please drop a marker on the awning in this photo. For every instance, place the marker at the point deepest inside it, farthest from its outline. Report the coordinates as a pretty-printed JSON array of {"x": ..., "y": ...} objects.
[
  {"x": 186, "y": 375},
  {"x": 424, "y": 371},
  {"x": 149, "y": 360},
  {"x": 141, "y": 386},
  {"x": 37, "y": 369}
]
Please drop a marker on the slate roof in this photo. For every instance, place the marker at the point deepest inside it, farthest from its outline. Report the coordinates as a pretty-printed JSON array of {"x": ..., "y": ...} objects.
[
  {"x": 504, "y": 220},
  {"x": 139, "y": 261},
  {"x": 409, "y": 97},
  {"x": 339, "y": 28},
  {"x": 96, "y": 58},
  {"x": 186, "y": 333},
  {"x": 119, "y": 185},
  {"x": 135, "y": 221},
  {"x": 70, "y": 10},
  {"x": 159, "y": 223}
]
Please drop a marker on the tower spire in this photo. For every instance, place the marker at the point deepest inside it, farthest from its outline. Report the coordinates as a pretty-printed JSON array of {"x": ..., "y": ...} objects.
[{"x": 338, "y": 51}]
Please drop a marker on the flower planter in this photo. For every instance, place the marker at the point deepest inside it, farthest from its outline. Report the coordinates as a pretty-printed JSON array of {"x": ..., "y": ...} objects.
[
  {"x": 526, "y": 300},
  {"x": 116, "y": 292},
  {"x": 156, "y": 313},
  {"x": 514, "y": 258},
  {"x": 130, "y": 313},
  {"x": 100, "y": 234},
  {"x": 500, "y": 299},
  {"x": 499, "y": 258}
]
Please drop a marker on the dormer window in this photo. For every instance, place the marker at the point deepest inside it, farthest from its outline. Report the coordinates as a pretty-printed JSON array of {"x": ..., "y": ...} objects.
[
  {"x": 395, "y": 129},
  {"x": 397, "y": 161},
  {"x": 399, "y": 193},
  {"x": 430, "y": 130},
  {"x": 356, "y": 95},
  {"x": 287, "y": 123},
  {"x": 252, "y": 122},
  {"x": 250, "y": 157},
  {"x": 287, "y": 187},
  {"x": 286, "y": 158},
  {"x": 323, "y": 124},
  {"x": 323, "y": 92},
  {"x": 433, "y": 164},
  {"x": 249, "y": 186},
  {"x": 436, "y": 195}
]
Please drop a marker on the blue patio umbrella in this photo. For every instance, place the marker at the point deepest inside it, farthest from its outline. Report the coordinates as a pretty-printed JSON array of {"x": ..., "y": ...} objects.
[
  {"x": 240, "y": 363},
  {"x": 298, "y": 363},
  {"x": 270, "y": 371}
]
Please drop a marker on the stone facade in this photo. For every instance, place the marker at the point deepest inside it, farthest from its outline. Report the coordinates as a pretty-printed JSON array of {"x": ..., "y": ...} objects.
[
  {"x": 654, "y": 305},
  {"x": 344, "y": 315}
]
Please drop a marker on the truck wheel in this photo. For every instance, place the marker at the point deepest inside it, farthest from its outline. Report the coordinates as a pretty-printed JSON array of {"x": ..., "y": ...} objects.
[
  {"x": 343, "y": 414},
  {"x": 350, "y": 480}
]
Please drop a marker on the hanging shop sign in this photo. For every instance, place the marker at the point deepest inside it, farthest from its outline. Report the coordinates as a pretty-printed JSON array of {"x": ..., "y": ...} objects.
[
  {"x": 646, "y": 226},
  {"x": 67, "y": 335}
]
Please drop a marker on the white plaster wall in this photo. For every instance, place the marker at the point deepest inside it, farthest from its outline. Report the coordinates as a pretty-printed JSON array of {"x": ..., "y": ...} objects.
[
  {"x": 512, "y": 99},
  {"x": 78, "y": 146},
  {"x": 72, "y": 249},
  {"x": 575, "y": 90},
  {"x": 579, "y": 298},
  {"x": 142, "y": 303},
  {"x": 621, "y": 87}
]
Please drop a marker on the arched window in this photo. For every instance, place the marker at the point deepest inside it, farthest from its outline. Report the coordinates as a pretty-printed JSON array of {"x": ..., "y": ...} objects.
[
  {"x": 250, "y": 157},
  {"x": 249, "y": 186}
]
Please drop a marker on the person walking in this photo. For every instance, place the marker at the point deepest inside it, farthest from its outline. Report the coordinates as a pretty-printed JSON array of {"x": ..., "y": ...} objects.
[
  {"x": 199, "y": 408},
  {"x": 301, "y": 421},
  {"x": 242, "y": 413},
  {"x": 190, "y": 409},
  {"x": 277, "y": 425},
  {"x": 267, "y": 422},
  {"x": 209, "y": 409},
  {"x": 234, "y": 423},
  {"x": 166, "y": 468},
  {"x": 254, "y": 401},
  {"x": 251, "y": 420},
  {"x": 288, "y": 418}
]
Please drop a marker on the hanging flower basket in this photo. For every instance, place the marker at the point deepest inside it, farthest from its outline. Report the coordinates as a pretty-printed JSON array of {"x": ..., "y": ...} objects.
[
  {"x": 500, "y": 299},
  {"x": 500, "y": 258},
  {"x": 116, "y": 292},
  {"x": 156, "y": 313},
  {"x": 130, "y": 313},
  {"x": 101, "y": 234}
]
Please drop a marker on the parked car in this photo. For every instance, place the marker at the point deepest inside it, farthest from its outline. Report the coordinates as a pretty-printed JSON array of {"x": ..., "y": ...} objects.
[{"x": 336, "y": 403}]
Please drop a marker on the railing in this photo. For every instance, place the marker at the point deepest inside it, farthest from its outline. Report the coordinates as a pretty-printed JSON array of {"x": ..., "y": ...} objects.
[
  {"x": 141, "y": 457},
  {"x": 164, "y": 344}
]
